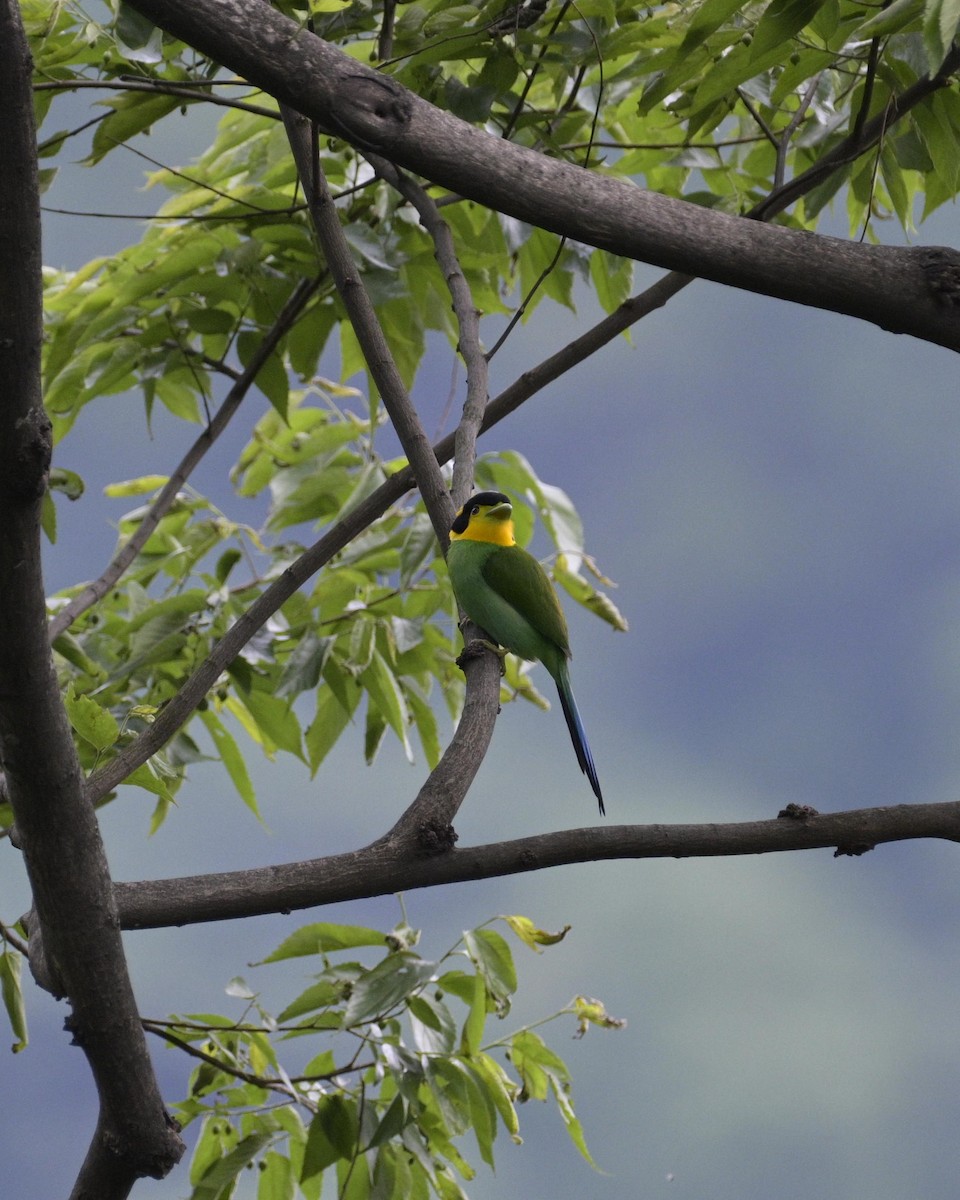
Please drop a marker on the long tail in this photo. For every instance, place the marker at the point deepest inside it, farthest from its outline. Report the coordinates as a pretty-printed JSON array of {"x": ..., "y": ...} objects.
[{"x": 577, "y": 733}]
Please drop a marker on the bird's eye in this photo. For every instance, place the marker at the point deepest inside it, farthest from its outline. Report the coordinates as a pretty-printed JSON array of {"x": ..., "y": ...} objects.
[{"x": 474, "y": 510}]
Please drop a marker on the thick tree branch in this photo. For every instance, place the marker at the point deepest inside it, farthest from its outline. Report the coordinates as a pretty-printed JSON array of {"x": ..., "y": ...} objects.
[
  {"x": 58, "y": 829},
  {"x": 428, "y": 822},
  {"x": 380, "y": 869},
  {"x": 93, "y": 592},
  {"x": 905, "y": 290}
]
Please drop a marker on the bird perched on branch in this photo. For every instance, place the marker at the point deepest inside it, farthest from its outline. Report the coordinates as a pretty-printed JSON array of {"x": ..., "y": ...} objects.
[{"x": 505, "y": 591}]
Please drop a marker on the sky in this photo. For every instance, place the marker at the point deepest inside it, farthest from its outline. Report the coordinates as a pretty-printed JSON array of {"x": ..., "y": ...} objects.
[{"x": 776, "y": 492}]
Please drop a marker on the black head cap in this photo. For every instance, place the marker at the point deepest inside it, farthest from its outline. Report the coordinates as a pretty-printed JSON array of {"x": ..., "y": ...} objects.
[{"x": 473, "y": 505}]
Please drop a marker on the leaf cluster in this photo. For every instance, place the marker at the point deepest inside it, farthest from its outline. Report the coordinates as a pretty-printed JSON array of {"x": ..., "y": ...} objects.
[{"x": 404, "y": 1070}]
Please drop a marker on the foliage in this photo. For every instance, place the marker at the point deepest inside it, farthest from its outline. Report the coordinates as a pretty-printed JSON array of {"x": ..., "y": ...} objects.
[{"x": 404, "y": 1070}]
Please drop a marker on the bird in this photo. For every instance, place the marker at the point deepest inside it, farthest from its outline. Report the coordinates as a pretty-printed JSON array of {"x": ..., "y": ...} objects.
[{"x": 503, "y": 589}]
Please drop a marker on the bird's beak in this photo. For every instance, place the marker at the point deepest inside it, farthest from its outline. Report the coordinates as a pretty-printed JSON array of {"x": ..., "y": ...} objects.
[{"x": 501, "y": 512}]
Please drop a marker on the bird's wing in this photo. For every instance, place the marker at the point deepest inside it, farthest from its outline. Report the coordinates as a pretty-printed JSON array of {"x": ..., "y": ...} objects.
[{"x": 522, "y": 582}]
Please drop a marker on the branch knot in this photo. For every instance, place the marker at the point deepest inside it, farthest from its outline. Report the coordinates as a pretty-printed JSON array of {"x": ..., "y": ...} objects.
[{"x": 941, "y": 269}]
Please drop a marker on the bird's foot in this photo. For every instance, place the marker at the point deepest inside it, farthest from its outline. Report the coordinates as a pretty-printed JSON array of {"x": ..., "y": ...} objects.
[{"x": 475, "y": 647}]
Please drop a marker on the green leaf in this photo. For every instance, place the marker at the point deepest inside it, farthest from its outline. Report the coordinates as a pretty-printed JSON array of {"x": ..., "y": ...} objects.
[
  {"x": 781, "y": 19},
  {"x": 325, "y": 938},
  {"x": 10, "y": 970},
  {"x": 472, "y": 1037},
  {"x": 48, "y": 518},
  {"x": 272, "y": 377},
  {"x": 418, "y": 549},
  {"x": 570, "y": 1119},
  {"x": 483, "y": 1112},
  {"x": 720, "y": 83},
  {"x": 136, "y": 487},
  {"x": 434, "y": 1030},
  {"x": 276, "y": 1178},
  {"x": 707, "y": 18},
  {"x": 168, "y": 613},
  {"x": 332, "y": 1135},
  {"x": 275, "y": 725},
  {"x": 491, "y": 955},
  {"x": 94, "y": 724},
  {"x": 426, "y": 722},
  {"x": 941, "y": 19},
  {"x": 583, "y": 591},
  {"x": 330, "y": 720},
  {"x": 384, "y": 987},
  {"x": 385, "y": 692},
  {"x": 502, "y": 1091},
  {"x": 231, "y": 758},
  {"x": 224, "y": 1170},
  {"x": 133, "y": 29},
  {"x": 68, "y": 482},
  {"x": 612, "y": 278},
  {"x": 892, "y": 19},
  {"x": 133, "y": 113},
  {"x": 324, "y": 994},
  {"x": 304, "y": 666},
  {"x": 391, "y": 1123},
  {"x": 147, "y": 777},
  {"x": 375, "y": 730}
]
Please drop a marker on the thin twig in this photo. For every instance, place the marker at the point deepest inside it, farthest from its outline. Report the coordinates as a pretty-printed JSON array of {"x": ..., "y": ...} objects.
[
  {"x": 12, "y": 939},
  {"x": 783, "y": 142},
  {"x": 873, "y": 60},
  {"x": 164, "y": 1029},
  {"x": 385, "y": 36},
  {"x": 167, "y": 89},
  {"x": 468, "y": 323},
  {"x": 507, "y": 130},
  {"x": 757, "y": 116},
  {"x": 525, "y": 302}
]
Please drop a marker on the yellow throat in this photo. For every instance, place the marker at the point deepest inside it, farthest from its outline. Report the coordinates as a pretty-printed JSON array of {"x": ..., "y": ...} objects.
[{"x": 485, "y": 518}]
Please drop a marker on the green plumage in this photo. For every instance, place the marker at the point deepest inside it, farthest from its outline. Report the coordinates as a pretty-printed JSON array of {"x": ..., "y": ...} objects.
[{"x": 505, "y": 591}]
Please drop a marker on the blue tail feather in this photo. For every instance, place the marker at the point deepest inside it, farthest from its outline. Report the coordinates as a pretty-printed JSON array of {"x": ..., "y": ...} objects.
[{"x": 577, "y": 733}]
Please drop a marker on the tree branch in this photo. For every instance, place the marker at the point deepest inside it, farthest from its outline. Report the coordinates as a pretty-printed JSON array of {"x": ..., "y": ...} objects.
[
  {"x": 468, "y": 323},
  {"x": 379, "y": 869},
  {"x": 159, "y": 87},
  {"x": 93, "y": 592},
  {"x": 429, "y": 818},
  {"x": 58, "y": 829},
  {"x": 903, "y": 289},
  {"x": 366, "y": 326}
]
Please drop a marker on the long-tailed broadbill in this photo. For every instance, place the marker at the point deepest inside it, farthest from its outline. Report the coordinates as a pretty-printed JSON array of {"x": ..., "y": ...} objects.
[{"x": 505, "y": 591}]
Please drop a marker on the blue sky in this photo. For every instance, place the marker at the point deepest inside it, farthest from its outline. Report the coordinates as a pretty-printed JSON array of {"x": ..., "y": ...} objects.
[{"x": 777, "y": 493}]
